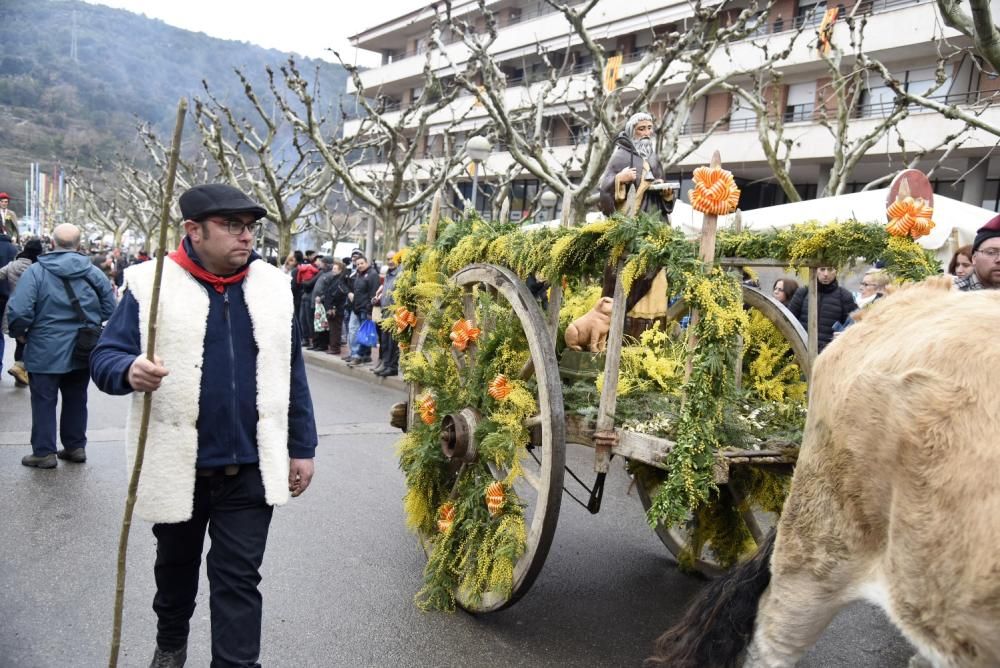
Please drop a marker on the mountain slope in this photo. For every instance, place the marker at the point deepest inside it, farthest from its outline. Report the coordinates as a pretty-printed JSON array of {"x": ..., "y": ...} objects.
[{"x": 76, "y": 101}]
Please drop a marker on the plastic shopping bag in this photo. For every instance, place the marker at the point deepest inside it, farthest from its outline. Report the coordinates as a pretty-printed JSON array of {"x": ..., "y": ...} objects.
[{"x": 367, "y": 333}]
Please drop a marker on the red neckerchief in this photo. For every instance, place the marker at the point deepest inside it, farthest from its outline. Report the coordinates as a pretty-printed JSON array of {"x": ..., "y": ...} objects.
[{"x": 181, "y": 257}]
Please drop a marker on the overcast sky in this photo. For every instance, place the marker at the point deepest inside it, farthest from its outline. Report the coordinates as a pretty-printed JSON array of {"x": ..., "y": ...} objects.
[{"x": 306, "y": 27}]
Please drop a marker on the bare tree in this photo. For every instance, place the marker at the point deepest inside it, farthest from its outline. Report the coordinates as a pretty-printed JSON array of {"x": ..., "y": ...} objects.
[
  {"x": 977, "y": 24},
  {"x": 848, "y": 69},
  {"x": 286, "y": 177},
  {"x": 126, "y": 195},
  {"x": 673, "y": 72},
  {"x": 386, "y": 166},
  {"x": 334, "y": 222}
]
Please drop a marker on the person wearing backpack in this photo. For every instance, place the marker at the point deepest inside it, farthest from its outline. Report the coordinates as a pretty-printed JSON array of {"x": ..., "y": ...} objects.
[{"x": 59, "y": 305}]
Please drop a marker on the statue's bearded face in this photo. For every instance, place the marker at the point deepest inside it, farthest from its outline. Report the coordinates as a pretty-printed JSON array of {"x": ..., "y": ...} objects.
[
  {"x": 642, "y": 138},
  {"x": 644, "y": 146}
]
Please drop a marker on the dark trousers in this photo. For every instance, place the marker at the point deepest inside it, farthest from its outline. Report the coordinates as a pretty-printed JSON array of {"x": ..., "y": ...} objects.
[
  {"x": 237, "y": 517},
  {"x": 336, "y": 330},
  {"x": 306, "y": 315},
  {"x": 18, "y": 351},
  {"x": 322, "y": 339},
  {"x": 388, "y": 350},
  {"x": 3, "y": 309},
  {"x": 45, "y": 390}
]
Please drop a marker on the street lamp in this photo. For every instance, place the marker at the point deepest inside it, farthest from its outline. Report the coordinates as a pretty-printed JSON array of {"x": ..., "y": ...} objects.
[
  {"x": 478, "y": 149},
  {"x": 548, "y": 201}
]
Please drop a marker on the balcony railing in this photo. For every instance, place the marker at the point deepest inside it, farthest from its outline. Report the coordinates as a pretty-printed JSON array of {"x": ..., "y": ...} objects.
[
  {"x": 804, "y": 113},
  {"x": 807, "y": 114},
  {"x": 505, "y": 22},
  {"x": 814, "y": 18}
]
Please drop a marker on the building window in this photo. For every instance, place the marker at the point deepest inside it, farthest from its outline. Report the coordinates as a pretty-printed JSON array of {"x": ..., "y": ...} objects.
[
  {"x": 991, "y": 195},
  {"x": 484, "y": 197},
  {"x": 801, "y": 102},
  {"x": 809, "y": 12},
  {"x": 522, "y": 194},
  {"x": 742, "y": 118},
  {"x": 579, "y": 133}
]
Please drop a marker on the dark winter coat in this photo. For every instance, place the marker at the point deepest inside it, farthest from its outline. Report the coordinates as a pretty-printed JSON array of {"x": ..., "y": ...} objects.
[
  {"x": 835, "y": 305},
  {"x": 8, "y": 251},
  {"x": 334, "y": 294},
  {"x": 364, "y": 286}
]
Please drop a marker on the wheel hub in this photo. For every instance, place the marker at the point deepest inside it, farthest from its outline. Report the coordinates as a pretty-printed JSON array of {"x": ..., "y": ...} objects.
[{"x": 458, "y": 435}]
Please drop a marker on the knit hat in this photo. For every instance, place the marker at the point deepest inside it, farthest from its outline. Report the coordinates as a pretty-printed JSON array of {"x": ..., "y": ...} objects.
[
  {"x": 4, "y": 196},
  {"x": 200, "y": 202},
  {"x": 987, "y": 231}
]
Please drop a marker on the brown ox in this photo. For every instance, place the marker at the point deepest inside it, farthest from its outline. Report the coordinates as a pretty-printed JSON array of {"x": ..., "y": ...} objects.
[{"x": 894, "y": 500}]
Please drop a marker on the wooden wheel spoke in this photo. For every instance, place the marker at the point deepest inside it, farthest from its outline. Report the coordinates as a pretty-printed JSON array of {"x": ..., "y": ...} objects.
[
  {"x": 531, "y": 479},
  {"x": 746, "y": 512},
  {"x": 458, "y": 478},
  {"x": 469, "y": 304},
  {"x": 459, "y": 358},
  {"x": 489, "y": 319}
]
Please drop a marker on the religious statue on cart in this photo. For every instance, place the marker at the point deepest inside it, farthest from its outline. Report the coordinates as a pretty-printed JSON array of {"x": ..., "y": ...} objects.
[
  {"x": 633, "y": 183},
  {"x": 633, "y": 176}
]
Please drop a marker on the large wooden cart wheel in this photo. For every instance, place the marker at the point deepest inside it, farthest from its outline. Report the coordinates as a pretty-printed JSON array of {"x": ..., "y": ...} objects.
[
  {"x": 539, "y": 489},
  {"x": 679, "y": 539}
]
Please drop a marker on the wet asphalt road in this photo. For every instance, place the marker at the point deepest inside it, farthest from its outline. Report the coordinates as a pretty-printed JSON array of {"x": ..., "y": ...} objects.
[{"x": 341, "y": 569}]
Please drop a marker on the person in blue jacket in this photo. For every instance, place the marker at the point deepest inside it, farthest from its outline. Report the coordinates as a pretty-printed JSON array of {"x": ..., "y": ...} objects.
[
  {"x": 41, "y": 312},
  {"x": 231, "y": 431}
]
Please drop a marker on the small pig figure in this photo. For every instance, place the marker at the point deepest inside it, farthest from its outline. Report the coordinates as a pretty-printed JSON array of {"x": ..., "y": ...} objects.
[{"x": 590, "y": 331}]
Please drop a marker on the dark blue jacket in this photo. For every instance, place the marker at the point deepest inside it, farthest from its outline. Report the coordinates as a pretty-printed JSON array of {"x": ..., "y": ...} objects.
[
  {"x": 8, "y": 251},
  {"x": 41, "y": 311},
  {"x": 227, "y": 408}
]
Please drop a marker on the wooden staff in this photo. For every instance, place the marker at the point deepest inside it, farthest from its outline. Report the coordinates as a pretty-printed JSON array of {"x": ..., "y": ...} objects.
[{"x": 147, "y": 400}]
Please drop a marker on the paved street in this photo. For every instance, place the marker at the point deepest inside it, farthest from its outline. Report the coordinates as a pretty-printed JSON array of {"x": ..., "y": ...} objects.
[{"x": 341, "y": 568}]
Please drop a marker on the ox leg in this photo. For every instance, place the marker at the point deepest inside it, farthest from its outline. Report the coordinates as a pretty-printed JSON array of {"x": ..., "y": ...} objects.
[
  {"x": 918, "y": 661},
  {"x": 791, "y": 616}
]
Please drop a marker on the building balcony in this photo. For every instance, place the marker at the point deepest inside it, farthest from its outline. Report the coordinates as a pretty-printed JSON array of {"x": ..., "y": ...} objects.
[{"x": 549, "y": 26}]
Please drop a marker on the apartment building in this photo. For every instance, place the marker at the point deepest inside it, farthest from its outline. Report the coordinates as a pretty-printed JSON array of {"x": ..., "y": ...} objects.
[{"x": 902, "y": 34}]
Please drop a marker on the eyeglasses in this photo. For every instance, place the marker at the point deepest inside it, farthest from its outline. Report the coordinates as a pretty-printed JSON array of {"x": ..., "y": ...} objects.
[
  {"x": 991, "y": 253},
  {"x": 236, "y": 227}
]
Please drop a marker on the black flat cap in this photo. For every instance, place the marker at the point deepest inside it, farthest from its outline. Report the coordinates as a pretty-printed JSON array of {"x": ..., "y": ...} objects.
[{"x": 199, "y": 202}]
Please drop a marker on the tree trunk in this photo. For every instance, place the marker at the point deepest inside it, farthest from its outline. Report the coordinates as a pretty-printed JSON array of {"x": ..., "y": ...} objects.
[
  {"x": 389, "y": 218},
  {"x": 284, "y": 240}
]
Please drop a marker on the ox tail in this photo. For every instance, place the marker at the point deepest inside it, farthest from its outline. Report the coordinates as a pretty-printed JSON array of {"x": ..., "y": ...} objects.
[{"x": 718, "y": 624}]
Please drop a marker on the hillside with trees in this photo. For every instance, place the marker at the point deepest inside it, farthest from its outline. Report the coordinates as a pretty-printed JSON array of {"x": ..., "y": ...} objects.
[{"x": 76, "y": 79}]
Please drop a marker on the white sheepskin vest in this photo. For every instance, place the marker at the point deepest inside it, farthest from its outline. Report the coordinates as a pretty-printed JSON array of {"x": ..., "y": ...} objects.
[{"x": 166, "y": 485}]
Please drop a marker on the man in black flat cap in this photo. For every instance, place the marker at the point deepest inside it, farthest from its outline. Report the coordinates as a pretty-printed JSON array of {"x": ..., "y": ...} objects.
[
  {"x": 231, "y": 432},
  {"x": 985, "y": 274}
]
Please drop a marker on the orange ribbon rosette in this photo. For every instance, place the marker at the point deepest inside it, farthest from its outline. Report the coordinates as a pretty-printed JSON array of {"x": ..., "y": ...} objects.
[
  {"x": 910, "y": 216},
  {"x": 714, "y": 191},
  {"x": 495, "y": 497},
  {"x": 404, "y": 318},
  {"x": 427, "y": 408},
  {"x": 446, "y": 517},
  {"x": 500, "y": 387},
  {"x": 463, "y": 333}
]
